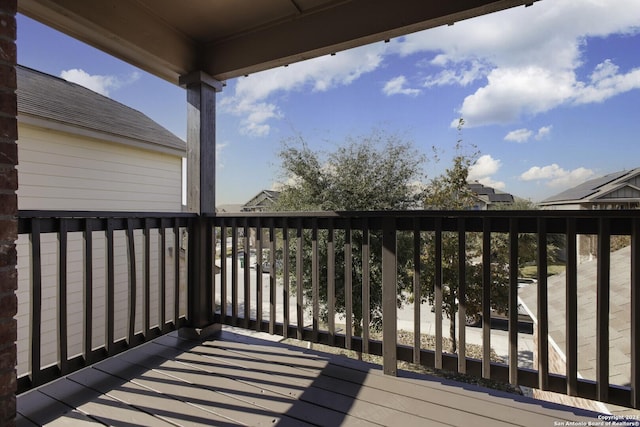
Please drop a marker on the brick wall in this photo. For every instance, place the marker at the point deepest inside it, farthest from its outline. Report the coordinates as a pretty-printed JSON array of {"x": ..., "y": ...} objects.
[{"x": 8, "y": 210}]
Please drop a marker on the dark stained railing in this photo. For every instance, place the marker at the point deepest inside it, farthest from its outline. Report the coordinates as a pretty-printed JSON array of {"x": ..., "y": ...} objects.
[
  {"x": 94, "y": 226},
  {"x": 344, "y": 261},
  {"x": 288, "y": 237}
]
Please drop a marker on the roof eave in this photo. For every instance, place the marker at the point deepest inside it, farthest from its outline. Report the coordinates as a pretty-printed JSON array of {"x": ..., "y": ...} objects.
[{"x": 83, "y": 132}]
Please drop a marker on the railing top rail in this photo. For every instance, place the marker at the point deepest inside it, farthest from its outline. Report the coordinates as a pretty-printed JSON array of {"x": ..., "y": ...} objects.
[
  {"x": 625, "y": 213},
  {"x": 101, "y": 214}
]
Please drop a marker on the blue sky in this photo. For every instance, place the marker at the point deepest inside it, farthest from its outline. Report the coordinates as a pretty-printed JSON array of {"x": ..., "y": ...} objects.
[{"x": 550, "y": 95}]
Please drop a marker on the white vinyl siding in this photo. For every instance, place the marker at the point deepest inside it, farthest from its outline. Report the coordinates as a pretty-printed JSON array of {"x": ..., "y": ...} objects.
[
  {"x": 75, "y": 291},
  {"x": 60, "y": 171}
]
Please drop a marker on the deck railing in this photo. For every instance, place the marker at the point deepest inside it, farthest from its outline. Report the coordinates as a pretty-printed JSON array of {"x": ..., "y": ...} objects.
[
  {"x": 72, "y": 268},
  {"x": 309, "y": 275}
]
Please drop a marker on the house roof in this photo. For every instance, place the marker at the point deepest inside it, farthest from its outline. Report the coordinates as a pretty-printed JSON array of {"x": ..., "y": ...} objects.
[
  {"x": 264, "y": 198},
  {"x": 231, "y": 38},
  {"x": 53, "y": 102},
  {"x": 601, "y": 188},
  {"x": 619, "y": 336},
  {"x": 229, "y": 208},
  {"x": 489, "y": 194}
]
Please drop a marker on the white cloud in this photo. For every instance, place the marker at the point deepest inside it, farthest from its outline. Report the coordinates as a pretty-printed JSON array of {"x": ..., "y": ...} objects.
[
  {"x": 515, "y": 92},
  {"x": 396, "y": 86},
  {"x": 98, "y": 83},
  {"x": 482, "y": 170},
  {"x": 530, "y": 57},
  {"x": 543, "y": 132},
  {"x": 252, "y": 97},
  {"x": 220, "y": 148},
  {"x": 519, "y": 135},
  {"x": 462, "y": 76},
  {"x": 606, "y": 82},
  {"x": 523, "y": 135},
  {"x": 555, "y": 176},
  {"x": 487, "y": 181},
  {"x": 483, "y": 167}
]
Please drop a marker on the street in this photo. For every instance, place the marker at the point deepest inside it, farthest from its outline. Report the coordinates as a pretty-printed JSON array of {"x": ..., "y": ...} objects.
[{"x": 499, "y": 334}]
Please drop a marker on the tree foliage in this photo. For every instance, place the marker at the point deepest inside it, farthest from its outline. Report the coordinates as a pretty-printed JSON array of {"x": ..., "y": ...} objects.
[
  {"x": 378, "y": 171},
  {"x": 450, "y": 191}
]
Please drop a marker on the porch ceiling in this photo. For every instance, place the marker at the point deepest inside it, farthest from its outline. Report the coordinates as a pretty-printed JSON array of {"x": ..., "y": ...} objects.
[{"x": 229, "y": 38}]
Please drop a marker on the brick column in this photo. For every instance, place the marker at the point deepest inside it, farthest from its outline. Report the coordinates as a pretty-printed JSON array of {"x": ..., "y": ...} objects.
[{"x": 8, "y": 211}]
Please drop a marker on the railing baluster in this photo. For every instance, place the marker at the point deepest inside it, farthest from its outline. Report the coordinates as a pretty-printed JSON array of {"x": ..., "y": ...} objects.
[
  {"x": 366, "y": 279},
  {"x": 212, "y": 235},
  {"x": 602, "y": 310},
  {"x": 131, "y": 263},
  {"x": 247, "y": 274},
  {"x": 389, "y": 297},
  {"x": 543, "y": 307},
  {"x": 462, "y": 296},
  {"x": 36, "y": 303},
  {"x": 209, "y": 272},
  {"x": 315, "y": 288},
  {"x": 635, "y": 314},
  {"x": 417, "y": 294},
  {"x": 176, "y": 273},
  {"x": 331, "y": 282},
  {"x": 109, "y": 306},
  {"x": 259, "y": 275},
  {"x": 163, "y": 276},
  {"x": 572, "y": 310},
  {"x": 513, "y": 301},
  {"x": 272, "y": 277},
  {"x": 348, "y": 286},
  {"x": 223, "y": 272},
  {"x": 63, "y": 362},
  {"x": 438, "y": 291},
  {"x": 299, "y": 279},
  {"x": 286, "y": 281},
  {"x": 486, "y": 298},
  {"x": 234, "y": 272},
  {"x": 88, "y": 290},
  {"x": 146, "y": 318}
]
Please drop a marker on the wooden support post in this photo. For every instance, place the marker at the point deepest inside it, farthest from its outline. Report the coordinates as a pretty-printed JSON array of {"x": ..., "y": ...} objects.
[{"x": 201, "y": 159}]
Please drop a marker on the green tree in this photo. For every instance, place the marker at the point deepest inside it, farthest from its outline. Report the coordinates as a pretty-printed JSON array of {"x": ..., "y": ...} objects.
[
  {"x": 377, "y": 171},
  {"x": 527, "y": 242},
  {"x": 450, "y": 191}
]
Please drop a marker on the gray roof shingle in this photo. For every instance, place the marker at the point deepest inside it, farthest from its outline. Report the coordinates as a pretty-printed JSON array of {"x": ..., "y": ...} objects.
[
  {"x": 52, "y": 98},
  {"x": 620, "y": 309},
  {"x": 589, "y": 188}
]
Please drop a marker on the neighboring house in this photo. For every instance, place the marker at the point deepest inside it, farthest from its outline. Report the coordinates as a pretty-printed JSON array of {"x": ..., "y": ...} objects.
[
  {"x": 261, "y": 202},
  {"x": 82, "y": 151},
  {"x": 487, "y": 197},
  {"x": 229, "y": 208},
  {"x": 619, "y": 190},
  {"x": 619, "y": 333}
]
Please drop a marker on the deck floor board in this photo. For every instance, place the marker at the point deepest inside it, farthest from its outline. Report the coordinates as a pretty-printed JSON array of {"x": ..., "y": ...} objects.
[{"x": 238, "y": 379}]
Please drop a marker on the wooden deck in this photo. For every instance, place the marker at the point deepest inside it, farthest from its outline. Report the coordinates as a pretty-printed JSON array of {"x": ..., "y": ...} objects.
[{"x": 242, "y": 380}]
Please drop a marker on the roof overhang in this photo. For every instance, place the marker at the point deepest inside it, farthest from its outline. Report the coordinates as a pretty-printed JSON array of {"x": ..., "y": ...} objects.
[{"x": 230, "y": 38}]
